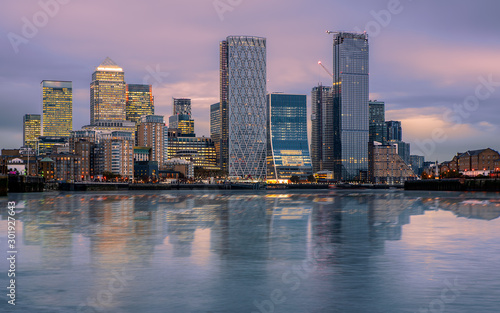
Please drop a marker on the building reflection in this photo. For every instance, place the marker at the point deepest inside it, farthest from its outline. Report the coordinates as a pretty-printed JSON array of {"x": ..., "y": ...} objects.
[{"x": 119, "y": 230}]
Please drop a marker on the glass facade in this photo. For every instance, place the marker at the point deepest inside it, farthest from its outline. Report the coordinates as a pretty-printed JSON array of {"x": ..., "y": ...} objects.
[
  {"x": 57, "y": 101},
  {"x": 32, "y": 129},
  {"x": 378, "y": 129},
  {"x": 394, "y": 131},
  {"x": 350, "y": 97},
  {"x": 107, "y": 93},
  {"x": 181, "y": 118},
  {"x": 139, "y": 102},
  {"x": 243, "y": 84},
  {"x": 322, "y": 128},
  {"x": 287, "y": 144},
  {"x": 199, "y": 150}
]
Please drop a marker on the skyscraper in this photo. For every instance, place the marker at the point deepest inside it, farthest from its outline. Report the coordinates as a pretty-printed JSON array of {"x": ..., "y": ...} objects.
[
  {"x": 57, "y": 102},
  {"x": 394, "y": 130},
  {"x": 139, "y": 102},
  {"x": 243, "y": 90},
  {"x": 181, "y": 118},
  {"x": 287, "y": 144},
  {"x": 107, "y": 93},
  {"x": 350, "y": 101},
  {"x": 378, "y": 128},
  {"x": 322, "y": 128},
  {"x": 32, "y": 129}
]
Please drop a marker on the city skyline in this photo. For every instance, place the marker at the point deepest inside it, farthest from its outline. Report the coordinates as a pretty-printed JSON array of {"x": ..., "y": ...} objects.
[{"x": 417, "y": 68}]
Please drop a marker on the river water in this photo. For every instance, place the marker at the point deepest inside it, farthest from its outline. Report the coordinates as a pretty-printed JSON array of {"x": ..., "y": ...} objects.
[{"x": 254, "y": 251}]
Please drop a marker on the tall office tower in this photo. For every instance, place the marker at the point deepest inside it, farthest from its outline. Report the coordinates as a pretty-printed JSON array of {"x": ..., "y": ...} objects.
[
  {"x": 32, "y": 129},
  {"x": 322, "y": 128},
  {"x": 217, "y": 111},
  {"x": 107, "y": 93},
  {"x": 139, "y": 102},
  {"x": 182, "y": 106},
  {"x": 394, "y": 131},
  {"x": 150, "y": 133},
  {"x": 181, "y": 118},
  {"x": 350, "y": 95},
  {"x": 243, "y": 90},
  {"x": 287, "y": 144},
  {"x": 57, "y": 101},
  {"x": 378, "y": 128}
]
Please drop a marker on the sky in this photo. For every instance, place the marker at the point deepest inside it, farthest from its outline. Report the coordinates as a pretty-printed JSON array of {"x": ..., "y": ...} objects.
[{"x": 436, "y": 64}]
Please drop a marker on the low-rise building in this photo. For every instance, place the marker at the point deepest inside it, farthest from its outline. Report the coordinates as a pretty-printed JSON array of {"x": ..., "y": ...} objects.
[{"x": 386, "y": 166}]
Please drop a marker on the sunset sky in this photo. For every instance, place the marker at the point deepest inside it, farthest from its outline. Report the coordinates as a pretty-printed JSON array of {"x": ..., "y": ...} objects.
[{"x": 426, "y": 57}]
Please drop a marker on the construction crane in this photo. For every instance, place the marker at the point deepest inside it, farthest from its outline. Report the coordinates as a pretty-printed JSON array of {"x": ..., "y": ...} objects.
[{"x": 326, "y": 70}]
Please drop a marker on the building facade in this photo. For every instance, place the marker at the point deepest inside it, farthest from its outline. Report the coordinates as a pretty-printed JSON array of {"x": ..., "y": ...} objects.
[
  {"x": 57, "y": 102},
  {"x": 107, "y": 93},
  {"x": 218, "y": 112},
  {"x": 322, "y": 128},
  {"x": 118, "y": 154},
  {"x": 139, "y": 102},
  {"x": 287, "y": 144},
  {"x": 243, "y": 90},
  {"x": 394, "y": 131},
  {"x": 198, "y": 150},
  {"x": 32, "y": 129},
  {"x": 350, "y": 107},
  {"x": 378, "y": 127},
  {"x": 150, "y": 133},
  {"x": 387, "y": 167}
]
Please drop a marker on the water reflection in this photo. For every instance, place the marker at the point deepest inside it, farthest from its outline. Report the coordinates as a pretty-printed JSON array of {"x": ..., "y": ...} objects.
[{"x": 236, "y": 244}]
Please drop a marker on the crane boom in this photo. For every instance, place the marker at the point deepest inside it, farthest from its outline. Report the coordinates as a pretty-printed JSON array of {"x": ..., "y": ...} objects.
[{"x": 326, "y": 70}]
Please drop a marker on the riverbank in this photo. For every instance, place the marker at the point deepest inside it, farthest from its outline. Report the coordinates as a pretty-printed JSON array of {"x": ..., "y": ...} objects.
[{"x": 492, "y": 185}]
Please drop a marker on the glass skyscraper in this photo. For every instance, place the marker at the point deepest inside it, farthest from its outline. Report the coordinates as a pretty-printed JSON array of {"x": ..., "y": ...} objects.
[
  {"x": 139, "y": 102},
  {"x": 287, "y": 144},
  {"x": 350, "y": 102},
  {"x": 322, "y": 129},
  {"x": 181, "y": 118},
  {"x": 32, "y": 129},
  {"x": 243, "y": 90},
  {"x": 57, "y": 105},
  {"x": 378, "y": 128},
  {"x": 394, "y": 131},
  {"x": 107, "y": 93}
]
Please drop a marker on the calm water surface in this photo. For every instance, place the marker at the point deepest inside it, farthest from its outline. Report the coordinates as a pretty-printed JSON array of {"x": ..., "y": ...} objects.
[{"x": 328, "y": 251}]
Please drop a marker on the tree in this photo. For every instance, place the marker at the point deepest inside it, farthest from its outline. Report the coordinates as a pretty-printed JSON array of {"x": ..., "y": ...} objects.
[
  {"x": 311, "y": 178},
  {"x": 295, "y": 179}
]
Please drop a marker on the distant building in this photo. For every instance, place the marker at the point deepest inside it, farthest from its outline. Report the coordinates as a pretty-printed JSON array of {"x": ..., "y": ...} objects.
[
  {"x": 107, "y": 93},
  {"x": 198, "y": 150},
  {"x": 57, "y": 100},
  {"x": 139, "y": 102},
  {"x": 142, "y": 154},
  {"x": 146, "y": 169},
  {"x": 85, "y": 144},
  {"x": 216, "y": 133},
  {"x": 387, "y": 167},
  {"x": 287, "y": 144},
  {"x": 474, "y": 162},
  {"x": 67, "y": 167},
  {"x": 322, "y": 129},
  {"x": 181, "y": 118},
  {"x": 243, "y": 89},
  {"x": 150, "y": 133},
  {"x": 32, "y": 129},
  {"x": 417, "y": 164},
  {"x": 378, "y": 127},
  {"x": 182, "y": 166},
  {"x": 350, "y": 105},
  {"x": 46, "y": 144},
  {"x": 118, "y": 153},
  {"x": 394, "y": 131},
  {"x": 107, "y": 127}
]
